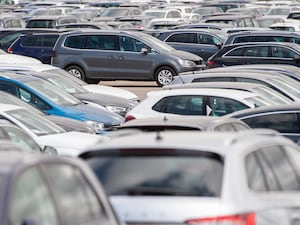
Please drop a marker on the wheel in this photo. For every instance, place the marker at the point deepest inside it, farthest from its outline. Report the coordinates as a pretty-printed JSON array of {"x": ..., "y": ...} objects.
[
  {"x": 77, "y": 72},
  {"x": 164, "y": 75}
]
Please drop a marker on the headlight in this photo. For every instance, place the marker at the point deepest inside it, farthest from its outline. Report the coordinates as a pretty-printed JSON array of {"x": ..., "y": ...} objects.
[
  {"x": 98, "y": 126},
  {"x": 116, "y": 109},
  {"x": 186, "y": 63}
]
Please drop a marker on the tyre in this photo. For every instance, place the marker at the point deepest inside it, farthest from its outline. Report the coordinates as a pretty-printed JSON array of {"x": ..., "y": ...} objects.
[
  {"x": 77, "y": 72},
  {"x": 164, "y": 75}
]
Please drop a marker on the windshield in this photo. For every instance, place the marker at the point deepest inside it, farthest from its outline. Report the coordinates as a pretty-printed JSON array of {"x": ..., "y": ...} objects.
[
  {"x": 66, "y": 85},
  {"x": 53, "y": 93},
  {"x": 289, "y": 86},
  {"x": 156, "y": 43},
  {"x": 181, "y": 175},
  {"x": 274, "y": 96},
  {"x": 115, "y": 12},
  {"x": 66, "y": 74},
  {"x": 35, "y": 123},
  {"x": 258, "y": 101}
]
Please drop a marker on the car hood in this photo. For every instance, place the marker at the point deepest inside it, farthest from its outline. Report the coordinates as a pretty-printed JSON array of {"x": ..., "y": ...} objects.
[
  {"x": 105, "y": 100},
  {"x": 17, "y": 59},
  {"x": 186, "y": 55},
  {"x": 92, "y": 112},
  {"x": 71, "y": 143}
]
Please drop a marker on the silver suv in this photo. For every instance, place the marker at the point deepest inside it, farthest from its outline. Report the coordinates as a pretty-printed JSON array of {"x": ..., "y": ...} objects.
[{"x": 121, "y": 55}]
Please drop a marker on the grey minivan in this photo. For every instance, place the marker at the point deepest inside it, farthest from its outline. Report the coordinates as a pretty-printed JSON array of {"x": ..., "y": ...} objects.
[{"x": 121, "y": 55}]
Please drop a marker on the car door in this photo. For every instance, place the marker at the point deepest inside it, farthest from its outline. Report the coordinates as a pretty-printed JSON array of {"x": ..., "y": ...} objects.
[
  {"x": 131, "y": 62},
  {"x": 283, "y": 55}
]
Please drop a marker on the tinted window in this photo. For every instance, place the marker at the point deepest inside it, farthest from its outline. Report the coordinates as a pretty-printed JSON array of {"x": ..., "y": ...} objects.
[
  {"x": 236, "y": 52},
  {"x": 208, "y": 39},
  {"x": 77, "y": 200},
  {"x": 40, "y": 41},
  {"x": 131, "y": 44},
  {"x": 221, "y": 106},
  {"x": 259, "y": 51},
  {"x": 30, "y": 187},
  {"x": 281, "y": 52},
  {"x": 197, "y": 175},
  {"x": 183, "y": 105},
  {"x": 183, "y": 37},
  {"x": 283, "y": 122},
  {"x": 75, "y": 42}
]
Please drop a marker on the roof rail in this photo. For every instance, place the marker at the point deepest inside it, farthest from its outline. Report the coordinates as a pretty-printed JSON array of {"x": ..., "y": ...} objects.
[{"x": 247, "y": 134}]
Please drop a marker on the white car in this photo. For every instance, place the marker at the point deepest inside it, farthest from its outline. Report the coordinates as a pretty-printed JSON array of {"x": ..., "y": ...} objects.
[
  {"x": 287, "y": 25},
  {"x": 193, "y": 101},
  {"x": 200, "y": 178},
  {"x": 46, "y": 133},
  {"x": 95, "y": 88}
]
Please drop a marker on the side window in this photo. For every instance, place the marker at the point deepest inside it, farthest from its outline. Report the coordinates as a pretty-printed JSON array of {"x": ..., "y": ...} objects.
[
  {"x": 9, "y": 88},
  {"x": 130, "y": 44},
  {"x": 249, "y": 80},
  {"x": 248, "y": 22},
  {"x": 281, "y": 52},
  {"x": 221, "y": 106},
  {"x": 31, "y": 41},
  {"x": 225, "y": 127},
  {"x": 30, "y": 187},
  {"x": 282, "y": 122},
  {"x": 25, "y": 95},
  {"x": 75, "y": 42},
  {"x": 255, "y": 176},
  {"x": 240, "y": 126},
  {"x": 261, "y": 51},
  {"x": 207, "y": 39},
  {"x": 236, "y": 52},
  {"x": 284, "y": 171},
  {"x": 77, "y": 200},
  {"x": 107, "y": 42},
  {"x": 241, "y": 23},
  {"x": 34, "y": 100},
  {"x": 183, "y": 38},
  {"x": 49, "y": 40},
  {"x": 183, "y": 105}
]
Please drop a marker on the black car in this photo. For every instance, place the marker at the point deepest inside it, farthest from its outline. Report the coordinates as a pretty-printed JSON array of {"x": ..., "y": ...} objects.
[
  {"x": 256, "y": 53},
  {"x": 204, "y": 43},
  {"x": 263, "y": 36},
  {"x": 283, "y": 118}
]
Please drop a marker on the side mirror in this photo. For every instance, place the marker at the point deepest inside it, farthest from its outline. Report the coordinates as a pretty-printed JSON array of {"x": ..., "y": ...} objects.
[
  {"x": 49, "y": 150},
  {"x": 219, "y": 46},
  {"x": 144, "y": 51}
]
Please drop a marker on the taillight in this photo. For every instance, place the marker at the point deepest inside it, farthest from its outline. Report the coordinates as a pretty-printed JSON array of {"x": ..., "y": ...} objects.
[
  {"x": 129, "y": 117},
  {"x": 10, "y": 50},
  {"x": 242, "y": 219},
  {"x": 211, "y": 63}
]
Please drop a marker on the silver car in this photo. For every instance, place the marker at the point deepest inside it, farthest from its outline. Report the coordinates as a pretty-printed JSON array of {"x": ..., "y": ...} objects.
[{"x": 191, "y": 177}]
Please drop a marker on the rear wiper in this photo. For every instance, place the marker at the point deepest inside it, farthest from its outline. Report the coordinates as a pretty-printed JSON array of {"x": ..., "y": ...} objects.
[{"x": 158, "y": 191}]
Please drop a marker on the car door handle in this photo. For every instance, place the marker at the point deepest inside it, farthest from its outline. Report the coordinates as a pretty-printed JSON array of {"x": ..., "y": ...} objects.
[
  {"x": 121, "y": 57},
  {"x": 110, "y": 57}
]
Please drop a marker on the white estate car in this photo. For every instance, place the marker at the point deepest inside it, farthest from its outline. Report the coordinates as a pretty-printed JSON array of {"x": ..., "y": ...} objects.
[
  {"x": 195, "y": 101},
  {"x": 95, "y": 88},
  {"x": 200, "y": 178},
  {"x": 46, "y": 133}
]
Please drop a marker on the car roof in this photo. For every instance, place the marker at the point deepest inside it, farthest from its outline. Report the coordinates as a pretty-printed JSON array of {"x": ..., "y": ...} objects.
[
  {"x": 216, "y": 142},
  {"x": 203, "y": 91},
  {"x": 264, "y": 32},
  {"x": 177, "y": 121},
  {"x": 288, "y": 44},
  {"x": 265, "y": 109},
  {"x": 195, "y": 30},
  {"x": 228, "y": 17},
  {"x": 17, "y": 77}
]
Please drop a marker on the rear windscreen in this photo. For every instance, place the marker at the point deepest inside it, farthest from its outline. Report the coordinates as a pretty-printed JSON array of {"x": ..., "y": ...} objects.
[{"x": 159, "y": 175}]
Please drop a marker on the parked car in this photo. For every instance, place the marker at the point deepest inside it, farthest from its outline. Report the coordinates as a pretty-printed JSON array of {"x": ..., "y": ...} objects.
[
  {"x": 112, "y": 103},
  {"x": 263, "y": 36},
  {"x": 32, "y": 183},
  {"x": 95, "y": 88},
  {"x": 122, "y": 55},
  {"x": 163, "y": 13},
  {"x": 177, "y": 122},
  {"x": 53, "y": 100},
  {"x": 256, "y": 53},
  {"x": 36, "y": 45},
  {"x": 287, "y": 25},
  {"x": 267, "y": 21},
  {"x": 204, "y": 101},
  {"x": 66, "y": 123},
  {"x": 283, "y": 118},
  {"x": 234, "y": 20},
  {"x": 113, "y": 13},
  {"x": 6, "y": 58},
  {"x": 267, "y": 92},
  {"x": 200, "y": 174},
  {"x": 203, "y": 43},
  {"x": 279, "y": 82}
]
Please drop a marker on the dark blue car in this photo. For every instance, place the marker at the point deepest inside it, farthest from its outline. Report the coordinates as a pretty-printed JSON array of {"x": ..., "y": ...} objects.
[{"x": 54, "y": 101}]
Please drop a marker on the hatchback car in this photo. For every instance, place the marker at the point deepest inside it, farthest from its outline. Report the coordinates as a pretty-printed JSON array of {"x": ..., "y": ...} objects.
[
  {"x": 121, "y": 55},
  {"x": 49, "y": 21},
  {"x": 192, "y": 177},
  {"x": 204, "y": 101},
  {"x": 256, "y": 53},
  {"x": 34, "y": 191}
]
